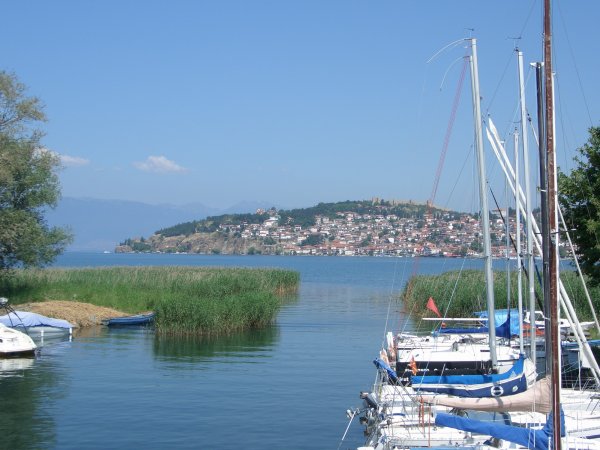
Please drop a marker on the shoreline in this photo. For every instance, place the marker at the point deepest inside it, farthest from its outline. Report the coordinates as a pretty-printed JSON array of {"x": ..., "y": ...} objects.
[{"x": 78, "y": 314}]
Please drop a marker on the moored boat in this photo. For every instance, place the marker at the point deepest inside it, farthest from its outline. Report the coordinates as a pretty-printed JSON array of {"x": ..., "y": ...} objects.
[
  {"x": 393, "y": 412},
  {"x": 37, "y": 325},
  {"x": 135, "y": 320},
  {"x": 13, "y": 343}
]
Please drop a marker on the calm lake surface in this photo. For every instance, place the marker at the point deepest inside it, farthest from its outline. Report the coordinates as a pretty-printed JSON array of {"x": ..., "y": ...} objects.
[{"x": 284, "y": 387}]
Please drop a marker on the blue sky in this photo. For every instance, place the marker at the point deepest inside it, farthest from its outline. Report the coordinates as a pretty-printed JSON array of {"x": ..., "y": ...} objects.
[{"x": 291, "y": 102}]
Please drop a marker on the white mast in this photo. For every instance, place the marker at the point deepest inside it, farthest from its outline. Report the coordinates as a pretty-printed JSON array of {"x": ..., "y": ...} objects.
[
  {"x": 518, "y": 242},
  {"x": 529, "y": 210},
  {"x": 485, "y": 218}
]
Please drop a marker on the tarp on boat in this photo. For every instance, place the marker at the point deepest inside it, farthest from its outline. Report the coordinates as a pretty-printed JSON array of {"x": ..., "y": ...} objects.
[
  {"x": 29, "y": 319},
  {"x": 503, "y": 330},
  {"x": 535, "y": 398},
  {"x": 527, "y": 437},
  {"x": 503, "y": 315},
  {"x": 381, "y": 364}
]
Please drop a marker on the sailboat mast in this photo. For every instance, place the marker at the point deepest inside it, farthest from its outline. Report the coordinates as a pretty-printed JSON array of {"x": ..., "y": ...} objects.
[
  {"x": 553, "y": 223},
  {"x": 529, "y": 211},
  {"x": 485, "y": 216},
  {"x": 545, "y": 229},
  {"x": 518, "y": 242}
]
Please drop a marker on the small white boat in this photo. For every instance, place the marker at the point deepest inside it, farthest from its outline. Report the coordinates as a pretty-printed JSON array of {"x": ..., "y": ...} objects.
[{"x": 14, "y": 343}]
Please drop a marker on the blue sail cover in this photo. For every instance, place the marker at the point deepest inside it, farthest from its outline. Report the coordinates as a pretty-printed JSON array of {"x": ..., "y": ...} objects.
[
  {"x": 476, "y": 386},
  {"x": 501, "y": 316},
  {"x": 516, "y": 370},
  {"x": 485, "y": 390},
  {"x": 532, "y": 439},
  {"x": 503, "y": 330},
  {"x": 381, "y": 364}
]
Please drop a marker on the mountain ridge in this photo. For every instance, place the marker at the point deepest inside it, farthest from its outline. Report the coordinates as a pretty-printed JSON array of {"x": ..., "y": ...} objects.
[{"x": 100, "y": 224}]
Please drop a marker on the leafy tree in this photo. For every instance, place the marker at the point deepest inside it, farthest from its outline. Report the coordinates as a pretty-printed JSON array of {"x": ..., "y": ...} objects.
[
  {"x": 579, "y": 196},
  {"x": 28, "y": 182},
  {"x": 476, "y": 246},
  {"x": 366, "y": 241},
  {"x": 313, "y": 239},
  {"x": 141, "y": 247}
]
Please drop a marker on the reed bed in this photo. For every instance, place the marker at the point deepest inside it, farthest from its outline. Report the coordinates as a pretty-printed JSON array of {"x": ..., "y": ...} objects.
[
  {"x": 460, "y": 294},
  {"x": 186, "y": 300}
]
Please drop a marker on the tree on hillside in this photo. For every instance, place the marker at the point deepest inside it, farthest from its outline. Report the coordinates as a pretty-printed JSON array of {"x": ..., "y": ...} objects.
[
  {"x": 579, "y": 196},
  {"x": 28, "y": 182}
]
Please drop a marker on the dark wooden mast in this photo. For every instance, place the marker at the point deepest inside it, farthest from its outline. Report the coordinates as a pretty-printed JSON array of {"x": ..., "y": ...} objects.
[{"x": 553, "y": 225}]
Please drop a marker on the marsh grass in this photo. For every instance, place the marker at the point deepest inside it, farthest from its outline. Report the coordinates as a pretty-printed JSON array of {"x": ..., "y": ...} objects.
[
  {"x": 459, "y": 294},
  {"x": 186, "y": 299}
]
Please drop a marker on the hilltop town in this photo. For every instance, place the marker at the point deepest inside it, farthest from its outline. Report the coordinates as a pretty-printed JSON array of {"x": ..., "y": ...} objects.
[{"x": 375, "y": 228}]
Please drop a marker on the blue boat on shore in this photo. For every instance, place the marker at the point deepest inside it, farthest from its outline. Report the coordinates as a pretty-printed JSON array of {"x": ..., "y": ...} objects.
[{"x": 136, "y": 320}]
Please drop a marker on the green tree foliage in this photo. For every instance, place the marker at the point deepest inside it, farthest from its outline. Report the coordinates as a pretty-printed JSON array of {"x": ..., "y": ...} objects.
[
  {"x": 313, "y": 239},
  {"x": 182, "y": 229},
  {"x": 211, "y": 224},
  {"x": 28, "y": 182},
  {"x": 579, "y": 196}
]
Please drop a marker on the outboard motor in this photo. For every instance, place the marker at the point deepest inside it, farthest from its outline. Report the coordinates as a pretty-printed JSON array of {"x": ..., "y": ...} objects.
[{"x": 369, "y": 399}]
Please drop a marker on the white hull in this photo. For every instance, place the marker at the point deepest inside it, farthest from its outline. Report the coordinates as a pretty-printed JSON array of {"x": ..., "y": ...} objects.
[{"x": 14, "y": 343}]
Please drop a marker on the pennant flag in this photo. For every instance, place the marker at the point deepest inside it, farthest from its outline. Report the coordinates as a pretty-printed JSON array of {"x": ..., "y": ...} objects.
[
  {"x": 413, "y": 365},
  {"x": 431, "y": 306}
]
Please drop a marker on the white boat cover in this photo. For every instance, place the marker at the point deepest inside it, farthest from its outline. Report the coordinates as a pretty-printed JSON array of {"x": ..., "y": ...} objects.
[
  {"x": 29, "y": 319},
  {"x": 536, "y": 398}
]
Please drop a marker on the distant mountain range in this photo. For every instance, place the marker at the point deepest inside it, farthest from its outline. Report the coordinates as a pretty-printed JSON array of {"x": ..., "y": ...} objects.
[{"x": 100, "y": 225}]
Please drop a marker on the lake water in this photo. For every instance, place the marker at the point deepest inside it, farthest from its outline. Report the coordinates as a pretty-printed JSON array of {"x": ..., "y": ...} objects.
[{"x": 284, "y": 387}]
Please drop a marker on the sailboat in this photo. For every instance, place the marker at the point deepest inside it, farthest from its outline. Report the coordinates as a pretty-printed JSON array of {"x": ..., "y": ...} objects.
[
  {"x": 471, "y": 361},
  {"x": 555, "y": 433},
  {"x": 397, "y": 416}
]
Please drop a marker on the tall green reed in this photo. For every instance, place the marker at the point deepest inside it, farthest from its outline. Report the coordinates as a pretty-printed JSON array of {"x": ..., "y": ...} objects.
[
  {"x": 460, "y": 294},
  {"x": 186, "y": 299}
]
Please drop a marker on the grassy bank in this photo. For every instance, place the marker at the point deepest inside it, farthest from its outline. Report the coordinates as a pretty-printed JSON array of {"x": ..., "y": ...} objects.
[
  {"x": 459, "y": 294},
  {"x": 186, "y": 299}
]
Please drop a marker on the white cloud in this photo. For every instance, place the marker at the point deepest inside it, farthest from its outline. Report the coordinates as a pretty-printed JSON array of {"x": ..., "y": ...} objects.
[
  {"x": 159, "y": 164},
  {"x": 66, "y": 160},
  {"x": 73, "y": 161}
]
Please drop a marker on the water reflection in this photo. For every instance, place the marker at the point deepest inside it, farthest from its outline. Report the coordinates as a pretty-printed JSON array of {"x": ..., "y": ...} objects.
[
  {"x": 199, "y": 348},
  {"x": 23, "y": 424},
  {"x": 29, "y": 388},
  {"x": 89, "y": 332},
  {"x": 14, "y": 367}
]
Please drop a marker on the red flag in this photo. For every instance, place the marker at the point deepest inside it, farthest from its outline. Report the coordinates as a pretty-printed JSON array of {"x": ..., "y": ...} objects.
[{"x": 431, "y": 306}]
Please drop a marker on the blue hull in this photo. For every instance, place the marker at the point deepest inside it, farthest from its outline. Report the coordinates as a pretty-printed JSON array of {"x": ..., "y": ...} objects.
[
  {"x": 492, "y": 385},
  {"x": 496, "y": 389},
  {"x": 140, "y": 319}
]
